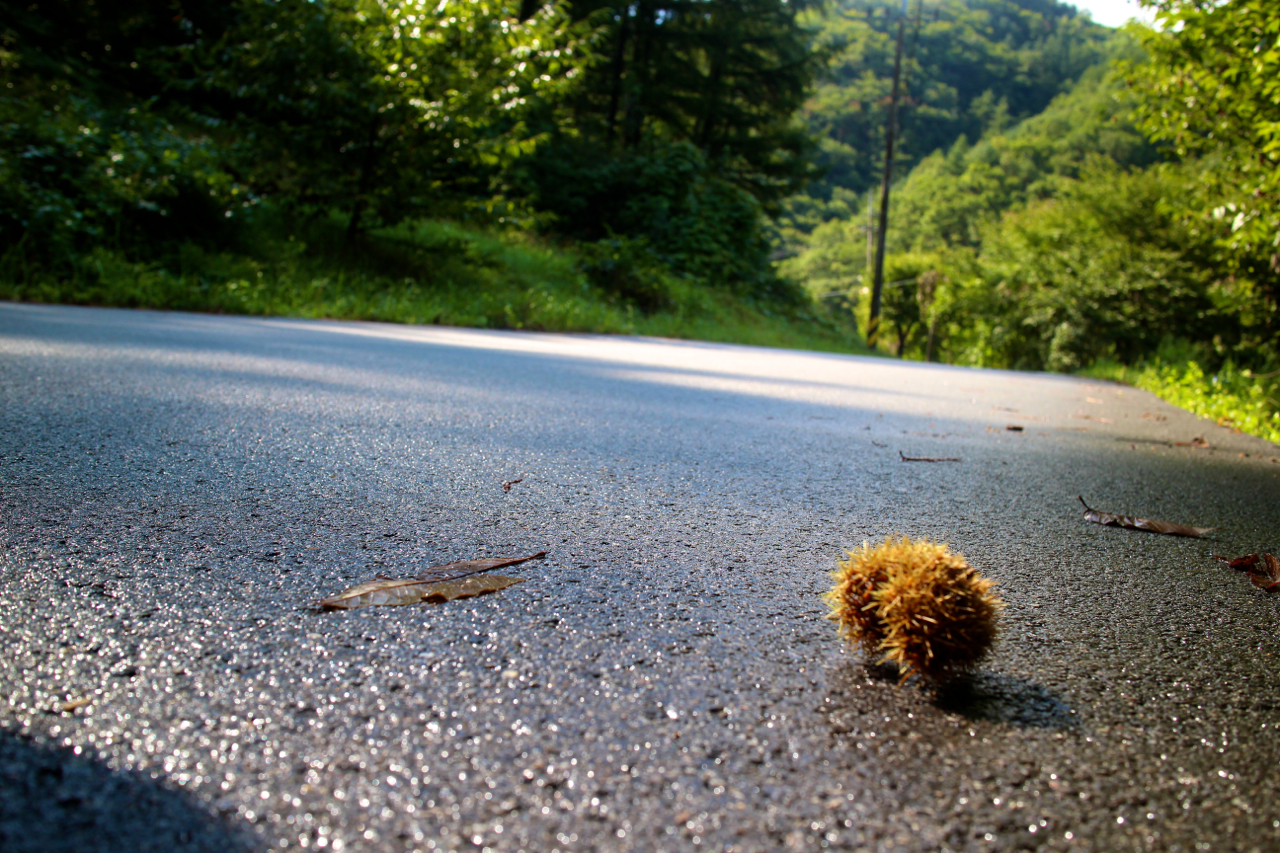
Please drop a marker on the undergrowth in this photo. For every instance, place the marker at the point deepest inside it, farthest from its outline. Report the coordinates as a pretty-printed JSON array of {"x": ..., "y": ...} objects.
[
  {"x": 1232, "y": 396},
  {"x": 426, "y": 272}
]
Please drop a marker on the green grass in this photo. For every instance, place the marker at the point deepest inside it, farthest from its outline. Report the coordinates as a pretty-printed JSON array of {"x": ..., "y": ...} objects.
[
  {"x": 428, "y": 272},
  {"x": 1233, "y": 397}
]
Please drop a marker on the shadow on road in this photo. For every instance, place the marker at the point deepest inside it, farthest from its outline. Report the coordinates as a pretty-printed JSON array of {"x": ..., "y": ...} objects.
[
  {"x": 53, "y": 801},
  {"x": 999, "y": 698},
  {"x": 991, "y": 697}
]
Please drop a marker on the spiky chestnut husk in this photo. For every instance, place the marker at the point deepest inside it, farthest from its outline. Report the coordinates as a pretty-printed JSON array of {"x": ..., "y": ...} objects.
[{"x": 916, "y": 603}]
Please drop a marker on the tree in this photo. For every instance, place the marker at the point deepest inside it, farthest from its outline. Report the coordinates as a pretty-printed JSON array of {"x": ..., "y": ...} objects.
[
  {"x": 384, "y": 110},
  {"x": 972, "y": 66},
  {"x": 89, "y": 155},
  {"x": 1212, "y": 92},
  {"x": 1107, "y": 268},
  {"x": 726, "y": 76}
]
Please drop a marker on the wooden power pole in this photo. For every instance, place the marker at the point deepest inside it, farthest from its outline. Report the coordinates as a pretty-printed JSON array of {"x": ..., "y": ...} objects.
[{"x": 877, "y": 285}]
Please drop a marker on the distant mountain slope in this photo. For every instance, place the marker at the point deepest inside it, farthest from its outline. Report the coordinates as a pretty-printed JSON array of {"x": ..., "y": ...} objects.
[
  {"x": 951, "y": 195},
  {"x": 970, "y": 66}
]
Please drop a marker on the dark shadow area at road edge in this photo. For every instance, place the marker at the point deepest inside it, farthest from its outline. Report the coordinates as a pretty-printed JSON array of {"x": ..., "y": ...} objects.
[{"x": 53, "y": 801}]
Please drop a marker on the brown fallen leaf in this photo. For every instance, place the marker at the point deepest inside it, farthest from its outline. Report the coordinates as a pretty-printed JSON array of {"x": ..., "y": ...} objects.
[
  {"x": 506, "y": 487},
  {"x": 438, "y": 583},
  {"x": 1148, "y": 524},
  {"x": 1014, "y": 428},
  {"x": 1263, "y": 569},
  {"x": 906, "y": 458},
  {"x": 1198, "y": 441}
]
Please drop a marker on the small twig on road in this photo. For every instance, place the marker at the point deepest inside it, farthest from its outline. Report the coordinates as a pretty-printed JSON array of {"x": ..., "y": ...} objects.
[
  {"x": 906, "y": 458},
  {"x": 506, "y": 487}
]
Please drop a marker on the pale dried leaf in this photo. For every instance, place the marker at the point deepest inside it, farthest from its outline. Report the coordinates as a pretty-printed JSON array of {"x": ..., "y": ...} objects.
[
  {"x": 386, "y": 593},
  {"x": 73, "y": 705},
  {"x": 462, "y": 568},
  {"x": 468, "y": 587},
  {"x": 459, "y": 579},
  {"x": 390, "y": 593}
]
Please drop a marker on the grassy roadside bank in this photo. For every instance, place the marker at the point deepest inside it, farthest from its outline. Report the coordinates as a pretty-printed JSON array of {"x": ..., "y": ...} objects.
[
  {"x": 1232, "y": 397},
  {"x": 428, "y": 272},
  {"x": 444, "y": 273}
]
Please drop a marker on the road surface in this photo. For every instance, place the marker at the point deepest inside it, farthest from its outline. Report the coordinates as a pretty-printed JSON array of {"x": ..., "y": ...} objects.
[{"x": 176, "y": 490}]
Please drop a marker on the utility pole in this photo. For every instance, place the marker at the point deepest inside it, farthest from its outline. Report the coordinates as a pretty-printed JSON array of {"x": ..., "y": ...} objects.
[
  {"x": 871, "y": 234},
  {"x": 877, "y": 286}
]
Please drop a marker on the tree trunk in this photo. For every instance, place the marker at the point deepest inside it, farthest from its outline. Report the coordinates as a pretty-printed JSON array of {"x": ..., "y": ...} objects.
[
  {"x": 360, "y": 202},
  {"x": 619, "y": 69},
  {"x": 877, "y": 287},
  {"x": 633, "y": 123}
]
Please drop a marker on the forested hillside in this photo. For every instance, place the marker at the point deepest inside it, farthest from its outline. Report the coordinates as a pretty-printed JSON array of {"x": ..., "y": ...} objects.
[
  {"x": 561, "y": 165},
  {"x": 1065, "y": 196},
  {"x": 1125, "y": 223},
  {"x": 970, "y": 66}
]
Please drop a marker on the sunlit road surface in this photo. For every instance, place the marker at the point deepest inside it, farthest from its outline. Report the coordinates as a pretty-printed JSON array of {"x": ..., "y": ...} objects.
[{"x": 176, "y": 491}]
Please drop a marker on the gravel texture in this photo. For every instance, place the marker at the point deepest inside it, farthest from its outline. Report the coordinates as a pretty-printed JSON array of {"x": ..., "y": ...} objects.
[{"x": 176, "y": 490}]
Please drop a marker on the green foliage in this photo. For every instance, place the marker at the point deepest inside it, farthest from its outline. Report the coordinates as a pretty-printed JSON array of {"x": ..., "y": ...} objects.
[
  {"x": 420, "y": 272},
  {"x": 631, "y": 271},
  {"x": 971, "y": 67},
  {"x": 1106, "y": 269},
  {"x": 683, "y": 136},
  {"x": 946, "y": 212},
  {"x": 669, "y": 197},
  {"x": 74, "y": 174},
  {"x": 383, "y": 110},
  {"x": 1232, "y": 396},
  {"x": 949, "y": 198},
  {"x": 1051, "y": 243},
  {"x": 1211, "y": 90},
  {"x": 726, "y": 76},
  {"x": 835, "y": 257},
  {"x": 131, "y": 133}
]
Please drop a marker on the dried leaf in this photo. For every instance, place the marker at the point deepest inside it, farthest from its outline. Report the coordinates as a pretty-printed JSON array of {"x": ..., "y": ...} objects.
[
  {"x": 1014, "y": 428},
  {"x": 1198, "y": 441},
  {"x": 468, "y": 587},
  {"x": 462, "y": 568},
  {"x": 390, "y": 593},
  {"x": 1148, "y": 524},
  {"x": 1247, "y": 563},
  {"x": 438, "y": 583},
  {"x": 74, "y": 704},
  {"x": 1263, "y": 569},
  {"x": 906, "y": 458},
  {"x": 1270, "y": 581}
]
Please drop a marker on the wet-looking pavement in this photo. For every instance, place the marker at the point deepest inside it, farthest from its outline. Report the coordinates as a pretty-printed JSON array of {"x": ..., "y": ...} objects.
[{"x": 176, "y": 491}]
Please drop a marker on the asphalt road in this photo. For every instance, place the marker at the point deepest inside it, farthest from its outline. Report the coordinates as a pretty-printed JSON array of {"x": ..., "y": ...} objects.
[{"x": 176, "y": 490}]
